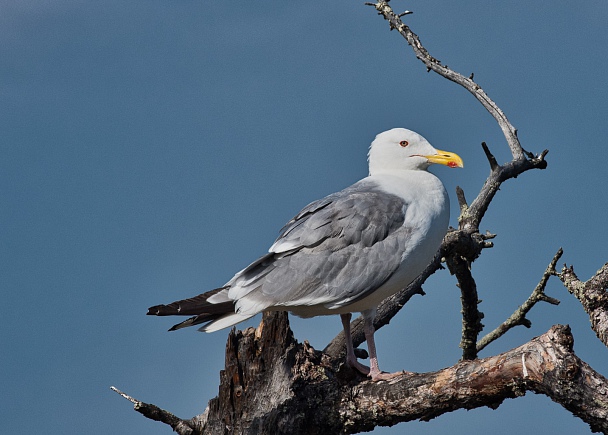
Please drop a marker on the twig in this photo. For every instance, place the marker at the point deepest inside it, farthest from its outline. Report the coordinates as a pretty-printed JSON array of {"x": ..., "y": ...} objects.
[
  {"x": 153, "y": 412},
  {"x": 519, "y": 316},
  {"x": 490, "y": 157},
  {"x": 462, "y": 200}
]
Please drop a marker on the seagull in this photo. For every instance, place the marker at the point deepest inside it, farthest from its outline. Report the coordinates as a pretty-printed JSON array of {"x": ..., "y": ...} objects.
[{"x": 344, "y": 253}]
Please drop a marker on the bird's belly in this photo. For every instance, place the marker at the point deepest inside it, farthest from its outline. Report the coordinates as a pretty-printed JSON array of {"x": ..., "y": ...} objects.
[{"x": 407, "y": 272}]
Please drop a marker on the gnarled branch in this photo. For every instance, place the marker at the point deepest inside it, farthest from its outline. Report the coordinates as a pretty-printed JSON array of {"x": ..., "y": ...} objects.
[
  {"x": 274, "y": 385},
  {"x": 593, "y": 296},
  {"x": 519, "y": 316}
]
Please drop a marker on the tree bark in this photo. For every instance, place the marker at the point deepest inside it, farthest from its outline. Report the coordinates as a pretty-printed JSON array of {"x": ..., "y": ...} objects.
[
  {"x": 274, "y": 385},
  {"x": 593, "y": 296}
]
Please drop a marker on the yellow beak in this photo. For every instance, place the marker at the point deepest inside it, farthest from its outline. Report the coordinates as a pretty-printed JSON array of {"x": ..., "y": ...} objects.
[{"x": 446, "y": 158}]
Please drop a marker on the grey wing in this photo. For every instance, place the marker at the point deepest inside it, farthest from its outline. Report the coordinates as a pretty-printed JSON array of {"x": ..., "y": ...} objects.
[{"x": 335, "y": 251}]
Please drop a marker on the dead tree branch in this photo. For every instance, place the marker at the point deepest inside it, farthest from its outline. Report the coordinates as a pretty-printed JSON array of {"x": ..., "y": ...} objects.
[
  {"x": 274, "y": 385},
  {"x": 499, "y": 174},
  {"x": 153, "y": 412},
  {"x": 468, "y": 83},
  {"x": 592, "y": 295},
  {"x": 464, "y": 245},
  {"x": 519, "y": 316},
  {"x": 471, "y": 316}
]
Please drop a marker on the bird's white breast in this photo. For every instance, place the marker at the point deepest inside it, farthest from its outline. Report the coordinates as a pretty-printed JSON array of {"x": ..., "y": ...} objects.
[{"x": 427, "y": 214}]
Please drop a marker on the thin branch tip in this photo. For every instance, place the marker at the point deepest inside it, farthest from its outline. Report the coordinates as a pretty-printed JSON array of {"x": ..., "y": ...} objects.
[
  {"x": 556, "y": 257},
  {"x": 462, "y": 201},
  {"x": 549, "y": 299},
  {"x": 491, "y": 159},
  {"x": 488, "y": 235},
  {"x": 125, "y": 395}
]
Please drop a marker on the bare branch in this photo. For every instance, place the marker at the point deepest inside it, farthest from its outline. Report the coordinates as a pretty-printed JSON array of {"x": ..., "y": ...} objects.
[
  {"x": 471, "y": 219},
  {"x": 519, "y": 316},
  {"x": 592, "y": 295},
  {"x": 466, "y": 242},
  {"x": 490, "y": 157},
  {"x": 462, "y": 200},
  {"x": 471, "y": 316},
  {"x": 153, "y": 412},
  {"x": 274, "y": 385},
  {"x": 435, "y": 65},
  {"x": 545, "y": 365}
]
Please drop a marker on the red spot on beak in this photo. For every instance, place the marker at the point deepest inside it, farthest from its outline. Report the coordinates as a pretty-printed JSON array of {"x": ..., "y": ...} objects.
[{"x": 452, "y": 164}]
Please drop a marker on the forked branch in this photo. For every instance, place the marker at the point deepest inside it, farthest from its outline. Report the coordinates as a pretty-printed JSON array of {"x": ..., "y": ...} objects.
[
  {"x": 522, "y": 161},
  {"x": 275, "y": 385},
  {"x": 519, "y": 316},
  {"x": 465, "y": 244}
]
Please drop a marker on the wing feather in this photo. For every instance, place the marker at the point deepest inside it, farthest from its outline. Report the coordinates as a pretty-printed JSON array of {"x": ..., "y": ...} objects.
[{"x": 334, "y": 251}]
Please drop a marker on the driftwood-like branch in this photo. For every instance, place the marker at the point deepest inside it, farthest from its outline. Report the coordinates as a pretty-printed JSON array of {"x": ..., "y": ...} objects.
[
  {"x": 274, "y": 385},
  {"x": 593, "y": 296},
  {"x": 519, "y": 316},
  {"x": 153, "y": 412}
]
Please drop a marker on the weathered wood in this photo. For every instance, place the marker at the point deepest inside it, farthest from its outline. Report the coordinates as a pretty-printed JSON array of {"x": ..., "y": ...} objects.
[
  {"x": 593, "y": 296},
  {"x": 274, "y": 385},
  {"x": 256, "y": 380}
]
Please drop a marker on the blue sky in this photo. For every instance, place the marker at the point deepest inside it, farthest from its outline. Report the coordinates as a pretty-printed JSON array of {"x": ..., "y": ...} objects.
[{"x": 152, "y": 149}]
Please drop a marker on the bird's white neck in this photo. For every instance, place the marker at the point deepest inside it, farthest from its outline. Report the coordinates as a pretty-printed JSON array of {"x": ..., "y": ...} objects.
[{"x": 409, "y": 184}]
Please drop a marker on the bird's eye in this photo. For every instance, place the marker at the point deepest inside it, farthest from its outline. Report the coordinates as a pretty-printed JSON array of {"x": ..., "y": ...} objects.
[{"x": 404, "y": 143}]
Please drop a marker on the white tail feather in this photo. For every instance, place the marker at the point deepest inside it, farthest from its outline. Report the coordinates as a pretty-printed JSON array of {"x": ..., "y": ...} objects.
[{"x": 225, "y": 322}]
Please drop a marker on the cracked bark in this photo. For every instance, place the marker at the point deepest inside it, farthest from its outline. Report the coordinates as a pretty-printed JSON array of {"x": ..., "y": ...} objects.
[
  {"x": 592, "y": 295},
  {"x": 274, "y": 385}
]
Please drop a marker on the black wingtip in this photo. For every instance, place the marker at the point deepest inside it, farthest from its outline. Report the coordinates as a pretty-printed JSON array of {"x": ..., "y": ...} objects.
[{"x": 154, "y": 311}]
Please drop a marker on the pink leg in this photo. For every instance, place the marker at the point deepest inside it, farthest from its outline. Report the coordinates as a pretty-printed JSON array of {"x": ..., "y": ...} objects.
[
  {"x": 351, "y": 359},
  {"x": 369, "y": 330}
]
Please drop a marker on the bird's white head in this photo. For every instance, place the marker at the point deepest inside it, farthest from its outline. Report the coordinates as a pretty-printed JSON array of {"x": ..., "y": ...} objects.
[{"x": 399, "y": 150}]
